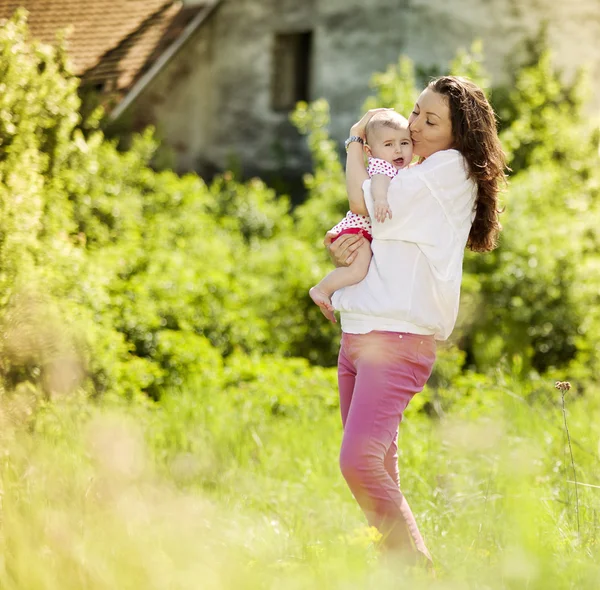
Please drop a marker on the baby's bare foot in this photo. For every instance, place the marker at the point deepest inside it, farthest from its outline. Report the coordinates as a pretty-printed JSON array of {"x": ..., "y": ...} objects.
[{"x": 324, "y": 302}]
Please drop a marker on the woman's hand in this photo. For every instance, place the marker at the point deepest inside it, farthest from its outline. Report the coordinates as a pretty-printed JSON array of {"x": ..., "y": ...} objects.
[
  {"x": 344, "y": 250},
  {"x": 360, "y": 127}
]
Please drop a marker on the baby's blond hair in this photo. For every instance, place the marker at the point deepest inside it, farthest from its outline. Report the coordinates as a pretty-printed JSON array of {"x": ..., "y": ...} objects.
[{"x": 385, "y": 119}]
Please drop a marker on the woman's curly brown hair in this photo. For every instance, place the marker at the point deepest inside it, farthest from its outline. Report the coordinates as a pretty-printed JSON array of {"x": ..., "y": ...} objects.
[{"x": 476, "y": 138}]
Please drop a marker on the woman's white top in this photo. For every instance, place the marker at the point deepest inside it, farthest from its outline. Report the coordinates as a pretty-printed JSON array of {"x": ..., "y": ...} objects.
[{"x": 413, "y": 282}]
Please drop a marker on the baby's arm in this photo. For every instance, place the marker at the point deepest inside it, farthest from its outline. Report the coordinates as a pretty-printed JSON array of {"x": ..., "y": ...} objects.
[
  {"x": 381, "y": 173},
  {"x": 379, "y": 188}
]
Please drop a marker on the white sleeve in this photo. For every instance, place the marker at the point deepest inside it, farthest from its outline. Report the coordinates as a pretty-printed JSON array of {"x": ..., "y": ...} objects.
[{"x": 417, "y": 217}]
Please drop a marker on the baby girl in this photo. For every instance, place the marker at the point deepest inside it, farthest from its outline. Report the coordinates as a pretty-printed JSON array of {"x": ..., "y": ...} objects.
[{"x": 389, "y": 148}]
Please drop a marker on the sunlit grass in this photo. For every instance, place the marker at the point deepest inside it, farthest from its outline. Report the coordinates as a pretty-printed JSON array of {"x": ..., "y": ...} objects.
[{"x": 211, "y": 489}]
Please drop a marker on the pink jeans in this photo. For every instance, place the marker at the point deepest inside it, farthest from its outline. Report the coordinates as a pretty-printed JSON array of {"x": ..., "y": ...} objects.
[{"x": 378, "y": 374}]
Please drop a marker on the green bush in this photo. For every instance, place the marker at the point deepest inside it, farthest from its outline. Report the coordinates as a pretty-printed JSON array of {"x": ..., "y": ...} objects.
[
  {"x": 150, "y": 275},
  {"x": 154, "y": 278}
]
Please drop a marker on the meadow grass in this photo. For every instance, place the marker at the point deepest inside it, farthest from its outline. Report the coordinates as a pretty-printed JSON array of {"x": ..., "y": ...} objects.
[{"x": 225, "y": 488}]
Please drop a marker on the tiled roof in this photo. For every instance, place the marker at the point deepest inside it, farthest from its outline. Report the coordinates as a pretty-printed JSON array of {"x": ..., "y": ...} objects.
[{"x": 112, "y": 42}]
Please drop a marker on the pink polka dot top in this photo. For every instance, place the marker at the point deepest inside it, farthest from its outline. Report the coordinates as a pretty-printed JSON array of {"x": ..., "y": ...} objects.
[{"x": 353, "y": 223}]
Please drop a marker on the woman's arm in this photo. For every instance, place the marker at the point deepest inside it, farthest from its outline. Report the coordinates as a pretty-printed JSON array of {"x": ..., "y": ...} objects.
[
  {"x": 356, "y": 174},
  {"x": 344, "y": 250}
]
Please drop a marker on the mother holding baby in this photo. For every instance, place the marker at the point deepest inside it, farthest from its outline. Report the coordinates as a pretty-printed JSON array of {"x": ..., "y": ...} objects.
[{"x": 409, "y": 298}]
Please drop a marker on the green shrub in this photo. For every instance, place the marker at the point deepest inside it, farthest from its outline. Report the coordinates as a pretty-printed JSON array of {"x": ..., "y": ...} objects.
[{"x": 154, "y": 278}]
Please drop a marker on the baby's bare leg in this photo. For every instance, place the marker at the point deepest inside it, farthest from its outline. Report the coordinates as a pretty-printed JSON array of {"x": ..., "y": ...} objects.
[
  {"x": 341, "y": 277},
  {"x": 344, "y": 276}
]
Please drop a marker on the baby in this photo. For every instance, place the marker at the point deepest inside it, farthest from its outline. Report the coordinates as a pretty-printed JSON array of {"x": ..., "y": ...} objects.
[{"x": 389, "y": 148}]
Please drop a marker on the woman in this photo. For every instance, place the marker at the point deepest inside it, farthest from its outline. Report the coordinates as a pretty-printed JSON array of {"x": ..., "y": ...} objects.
[{"x": 409, "y": 298}]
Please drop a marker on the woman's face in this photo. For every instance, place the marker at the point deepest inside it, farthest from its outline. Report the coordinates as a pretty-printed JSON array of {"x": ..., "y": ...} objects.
[{"x": 430, "y": 125}]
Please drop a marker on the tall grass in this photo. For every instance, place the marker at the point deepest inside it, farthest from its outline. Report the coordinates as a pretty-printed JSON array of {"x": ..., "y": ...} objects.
[{"x": 220, "y": 488}]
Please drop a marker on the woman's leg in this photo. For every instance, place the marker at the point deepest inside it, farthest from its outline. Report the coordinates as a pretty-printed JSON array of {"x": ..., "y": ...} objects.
[
  {"x": 390, "y": 369},
  {"x": 346, "y": 378},
  {"x": 390, "y": 461}
]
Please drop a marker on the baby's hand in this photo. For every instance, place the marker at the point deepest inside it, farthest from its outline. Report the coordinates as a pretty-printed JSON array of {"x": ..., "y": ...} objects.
[{"x": 382, "y": 210}]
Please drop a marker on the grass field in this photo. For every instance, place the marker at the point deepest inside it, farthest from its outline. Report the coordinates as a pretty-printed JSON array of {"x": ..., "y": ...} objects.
[{"x": 236, "y": 487}]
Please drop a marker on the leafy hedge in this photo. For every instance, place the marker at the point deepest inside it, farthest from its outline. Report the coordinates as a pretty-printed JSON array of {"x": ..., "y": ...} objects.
[
  {"x": 124, "y": 279},
  {"x": 152, "y": 278}
]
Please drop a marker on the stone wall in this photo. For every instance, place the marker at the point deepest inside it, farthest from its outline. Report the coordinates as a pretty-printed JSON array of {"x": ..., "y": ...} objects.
[{"x": 212, "y": 103}]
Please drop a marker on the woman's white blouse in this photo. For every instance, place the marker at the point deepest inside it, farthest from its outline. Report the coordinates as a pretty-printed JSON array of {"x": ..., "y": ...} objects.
[{"x": 413, "y": 283}]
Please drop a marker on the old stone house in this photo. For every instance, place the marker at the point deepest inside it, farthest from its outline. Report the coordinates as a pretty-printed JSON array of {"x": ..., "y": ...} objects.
[{"x": 218, "y": 78}]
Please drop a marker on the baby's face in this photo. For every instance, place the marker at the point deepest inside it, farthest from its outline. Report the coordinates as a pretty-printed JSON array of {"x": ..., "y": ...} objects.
[{"x": 392, "y": 145}]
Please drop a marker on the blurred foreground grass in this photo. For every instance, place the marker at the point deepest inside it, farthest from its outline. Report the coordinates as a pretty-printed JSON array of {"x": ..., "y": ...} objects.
[{"x": 222, "y": 489}]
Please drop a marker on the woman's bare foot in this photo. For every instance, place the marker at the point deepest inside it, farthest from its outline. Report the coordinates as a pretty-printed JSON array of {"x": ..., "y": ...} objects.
[{"x": 324, "y": 302}]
